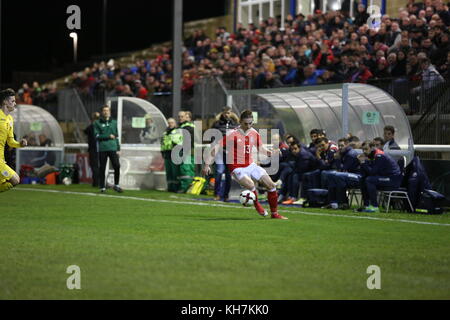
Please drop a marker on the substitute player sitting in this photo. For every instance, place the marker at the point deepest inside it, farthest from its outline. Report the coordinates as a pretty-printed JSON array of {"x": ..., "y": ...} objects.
[
  {"x": 239, "y": 144},
  {"x": 8, "y": 178}
]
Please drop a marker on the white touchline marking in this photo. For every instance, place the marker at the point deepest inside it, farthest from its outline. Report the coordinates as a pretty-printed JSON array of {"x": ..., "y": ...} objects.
[{"x": 230, "y": 206}]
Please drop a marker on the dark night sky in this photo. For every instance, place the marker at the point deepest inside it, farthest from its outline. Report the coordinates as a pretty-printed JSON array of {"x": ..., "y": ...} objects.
[{"x": 35, "y": 36}]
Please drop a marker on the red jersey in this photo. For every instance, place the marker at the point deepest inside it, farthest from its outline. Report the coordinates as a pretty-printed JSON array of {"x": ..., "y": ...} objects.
[{"x": 239, "y": 147}]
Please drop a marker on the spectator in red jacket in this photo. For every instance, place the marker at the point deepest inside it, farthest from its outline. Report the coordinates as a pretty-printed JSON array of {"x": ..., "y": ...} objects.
[
  {"x": 362, "y": 75},
  {"x": 141, "y": 91}
]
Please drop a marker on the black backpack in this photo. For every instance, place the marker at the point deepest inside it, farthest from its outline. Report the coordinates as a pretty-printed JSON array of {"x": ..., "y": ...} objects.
[
  {"x": 431, "y": 202},
  {"x": 316, "y": 198}
]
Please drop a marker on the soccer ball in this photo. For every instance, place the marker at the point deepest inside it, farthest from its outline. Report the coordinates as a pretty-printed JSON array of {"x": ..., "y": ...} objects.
[
  {"x": 67, "y": 181},
  {"x": 247, "y": 198}
]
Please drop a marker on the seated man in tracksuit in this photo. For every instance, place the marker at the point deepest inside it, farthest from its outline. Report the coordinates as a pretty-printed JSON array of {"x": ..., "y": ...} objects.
[
  {"x": 283, "y": 155},
  {"x": 285, "y": 161},
  {"x": 347, "y": 177},
  {"x": 300, "y": 161},
  {"x": 326, "y": 151},
  {"x": 388, "y": 134},
  {"x": 379, "y": 170},
  {"x": 353, "y": 141},
  {"x": 379, "y": 143},
  {"x": 313, "y": 135},
  {"x": 326, "y": 164}
]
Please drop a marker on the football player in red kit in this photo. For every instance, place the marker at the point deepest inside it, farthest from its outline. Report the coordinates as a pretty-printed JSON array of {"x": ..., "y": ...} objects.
[{"x": 239, "y": 144}]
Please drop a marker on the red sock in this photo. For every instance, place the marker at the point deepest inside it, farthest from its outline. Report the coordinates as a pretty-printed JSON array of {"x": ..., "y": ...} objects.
[
  {"x": 255, "y": 192},
  {"x": 257, "y": 205},
  {"x": 273, "y": 201}
]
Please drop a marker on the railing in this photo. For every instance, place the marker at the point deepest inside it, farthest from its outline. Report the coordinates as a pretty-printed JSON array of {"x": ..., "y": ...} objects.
[
  {"x": 209, "y": 98},
  {"x": 401, "y": 89},
  {"x": 428, "y": 109},
  {"x": 92, "y": 101},
  {"x": 72, "y": 110},
  {"x": 427, "y": 105},
  {"x": 433, "y": 124},
  {"x": 208, "y": 92},
  {"x": 164, "y": 102}
]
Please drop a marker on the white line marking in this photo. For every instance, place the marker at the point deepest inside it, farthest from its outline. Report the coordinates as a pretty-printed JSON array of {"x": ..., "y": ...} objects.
[{"x": 231, "y": 206}]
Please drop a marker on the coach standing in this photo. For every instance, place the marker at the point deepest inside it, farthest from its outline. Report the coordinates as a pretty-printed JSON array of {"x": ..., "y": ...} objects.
[{"x": 106, "y": 133}]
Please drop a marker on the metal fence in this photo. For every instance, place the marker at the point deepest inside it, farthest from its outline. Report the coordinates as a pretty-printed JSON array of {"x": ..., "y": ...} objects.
[
  {"x": 432, "y": 124},
  {"x": 427, "y": 105},
  {"x": 164, "y": 102},
  {"x": 209, "y": 98},
  {"x": 413, "y": 96},
  {"x": 72, "y": 110},
  {"x": 428, "y": 108},
  {"x": 92, "y": 101}
]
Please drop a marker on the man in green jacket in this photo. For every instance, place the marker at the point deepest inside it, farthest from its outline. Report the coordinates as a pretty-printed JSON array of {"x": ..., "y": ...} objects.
[
  {"x": 107, "y": 136},
  {"x": 187, "y": 168},
  {"x": 172, "y": 137}
]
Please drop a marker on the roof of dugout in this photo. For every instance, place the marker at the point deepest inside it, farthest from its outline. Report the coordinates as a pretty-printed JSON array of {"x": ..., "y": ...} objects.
[
  {"x": 33, "y": 121},
  {"x": 299, "y": 110}
]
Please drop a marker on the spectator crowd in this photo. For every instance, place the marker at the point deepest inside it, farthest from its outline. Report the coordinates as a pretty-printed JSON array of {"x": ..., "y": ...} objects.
[
  {"x": 314, "y": 49},
  {"x": 318, "y": 48},
  {"x": 36, "y": 94}
]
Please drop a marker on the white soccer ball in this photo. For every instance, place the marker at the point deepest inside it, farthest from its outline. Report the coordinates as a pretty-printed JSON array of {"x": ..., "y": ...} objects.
[
  {"x": 67, "y": 181},
  {"x": 247, "y": 198}
]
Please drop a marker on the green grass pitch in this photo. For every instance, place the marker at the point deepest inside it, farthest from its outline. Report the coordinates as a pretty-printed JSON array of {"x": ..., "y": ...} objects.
[{"x": 155, "y": 245}]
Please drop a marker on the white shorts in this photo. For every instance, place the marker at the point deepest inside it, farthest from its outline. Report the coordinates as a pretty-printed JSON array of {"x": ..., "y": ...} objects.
[{"x": 253, "y": 171}]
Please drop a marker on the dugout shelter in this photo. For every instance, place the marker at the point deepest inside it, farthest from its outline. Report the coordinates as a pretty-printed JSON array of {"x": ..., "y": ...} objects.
[
  {"x": 360, "y": 109},
  {"x": 44, "y": 135},
  {"x": 141, "y": 126}
]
